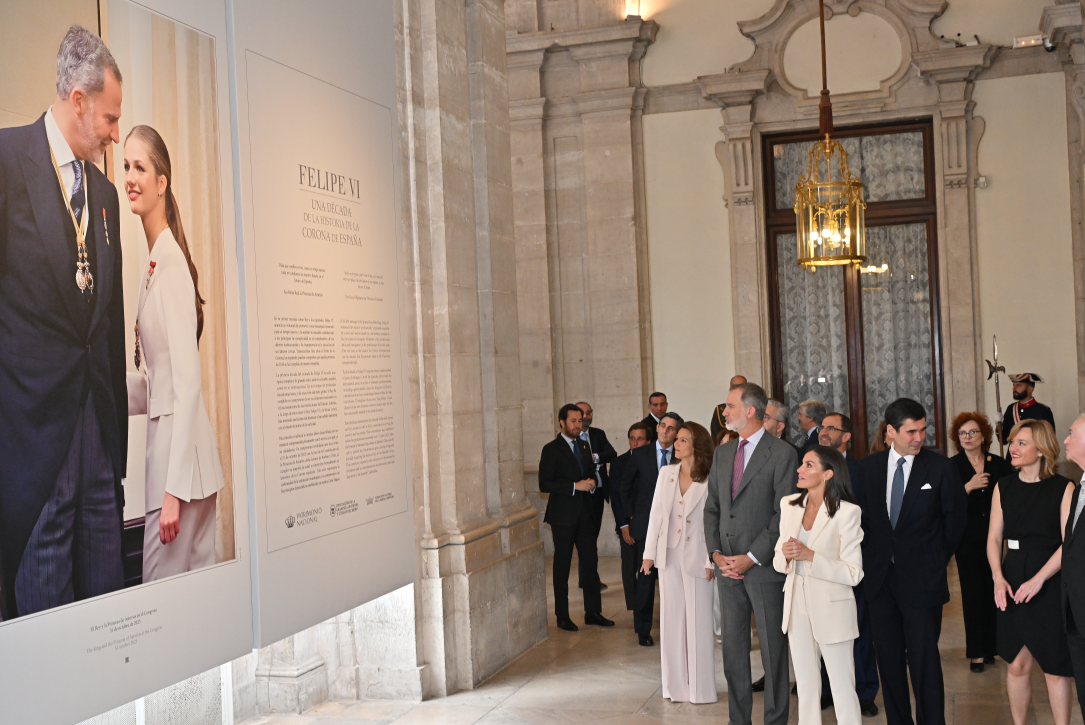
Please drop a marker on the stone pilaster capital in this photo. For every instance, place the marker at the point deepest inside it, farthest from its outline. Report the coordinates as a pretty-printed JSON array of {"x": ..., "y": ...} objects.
[
  {"x": 949, "y": 65},
  {"x": 612, "y": 100},
  {"x": 527, "y": 111},
  {"x": 737, "y": 88},
  {"x": 525, "y": 59},
  {"x": 1062, "y": 24},
  {"x": 628, "y": 34}
]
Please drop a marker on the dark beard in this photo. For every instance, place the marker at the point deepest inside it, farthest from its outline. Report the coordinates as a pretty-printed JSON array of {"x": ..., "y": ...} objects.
[{"x": 1021, "y": 396}]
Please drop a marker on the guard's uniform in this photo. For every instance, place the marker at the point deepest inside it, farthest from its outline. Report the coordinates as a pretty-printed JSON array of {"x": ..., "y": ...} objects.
[{"x": 1026, "y": 409}]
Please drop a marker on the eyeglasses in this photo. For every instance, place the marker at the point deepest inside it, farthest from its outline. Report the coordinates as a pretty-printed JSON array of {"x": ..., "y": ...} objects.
[
  {"x": 968, "y": 433},
  {"x": 831, "y": 430}
]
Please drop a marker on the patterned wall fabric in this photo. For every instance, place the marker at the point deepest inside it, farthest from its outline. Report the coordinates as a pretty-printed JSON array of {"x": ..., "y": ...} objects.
[
  {"x": 891, "y": 166},
  {"x": 814, "y": 354},
  {"x": 897, "y": 356}
]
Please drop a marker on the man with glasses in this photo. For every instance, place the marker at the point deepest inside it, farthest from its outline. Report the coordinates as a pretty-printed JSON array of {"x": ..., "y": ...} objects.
[{"x": 836, "y": 434}]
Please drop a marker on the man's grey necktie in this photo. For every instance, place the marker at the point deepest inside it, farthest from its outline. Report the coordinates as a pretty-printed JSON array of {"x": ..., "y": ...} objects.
[
  {"x": 1080, "y": 505},
  {"x": 897, "y": 496}
]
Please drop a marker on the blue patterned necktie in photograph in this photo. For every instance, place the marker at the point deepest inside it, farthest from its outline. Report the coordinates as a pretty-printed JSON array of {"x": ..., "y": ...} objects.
[
  {"x": 897, "y": 496},
  {"x": 79, "y": 195}
]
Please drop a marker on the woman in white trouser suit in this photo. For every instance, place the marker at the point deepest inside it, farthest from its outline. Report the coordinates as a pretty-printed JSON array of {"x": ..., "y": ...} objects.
[
  {"x": 183, "y": 474},
  {"x": 675, "y": 545},
  {"x": 818, "y": 549}
]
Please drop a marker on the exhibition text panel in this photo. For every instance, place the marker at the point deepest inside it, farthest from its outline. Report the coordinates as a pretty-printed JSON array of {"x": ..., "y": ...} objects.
[{"x": 327, "y": 305}]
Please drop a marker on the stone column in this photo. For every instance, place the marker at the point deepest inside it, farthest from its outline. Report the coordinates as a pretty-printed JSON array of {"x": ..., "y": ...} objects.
[
  {"x": 1062, "y": 23},
  {"x": 737, "y": 155},
  {"x": 953, "y": 69},
  {"x": 482, "y": 602},
  {"x": 291, "y": 676}
]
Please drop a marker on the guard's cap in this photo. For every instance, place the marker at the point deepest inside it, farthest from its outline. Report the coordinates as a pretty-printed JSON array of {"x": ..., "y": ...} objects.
[{"x": 1030, "y": 378}]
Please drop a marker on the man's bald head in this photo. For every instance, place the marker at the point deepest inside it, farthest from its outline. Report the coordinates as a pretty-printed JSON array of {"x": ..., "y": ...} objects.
[{"x": 736, "y": 381}]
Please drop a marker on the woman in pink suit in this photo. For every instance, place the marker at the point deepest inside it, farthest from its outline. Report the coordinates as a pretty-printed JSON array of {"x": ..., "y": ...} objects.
[{"x": 675, "y": 545}]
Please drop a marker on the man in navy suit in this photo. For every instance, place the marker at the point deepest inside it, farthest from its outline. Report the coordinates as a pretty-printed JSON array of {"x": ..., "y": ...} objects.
[
  {"x": 1073, "y": 562},
  {"x": 567, "y": 475},
  {"x": 637, "y": 437},
  {"x": 638, "y": 487},
  {"x": 63, "y": 400},
  {"x": 836, "y": 433},
  {"x": 914, "y": 516},
  {"x": 602, "y": 454}
]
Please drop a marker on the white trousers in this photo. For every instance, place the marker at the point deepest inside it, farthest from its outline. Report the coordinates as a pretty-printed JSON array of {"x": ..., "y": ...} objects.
[
  {"x": 839, "y": 663},
  {"x": 194, "y": 547},
  {"x": 687, "y": 644}
]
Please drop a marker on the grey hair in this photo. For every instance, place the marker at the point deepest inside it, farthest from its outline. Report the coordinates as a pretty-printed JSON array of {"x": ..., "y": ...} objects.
[
  {"x": 813, "y": 409},
  {"x": 753, "y": 396},
  {"x": 782, "y": 411},
  {"x": 81, "y": 63}
]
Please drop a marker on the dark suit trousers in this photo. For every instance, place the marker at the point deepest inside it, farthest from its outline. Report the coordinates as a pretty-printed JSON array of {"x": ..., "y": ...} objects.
[
  {"x": 866, "y": 668},
  {"x": 644, "y": 603},
  {"x": 906, "y": 641},
  {"x": 630, "y": 564},
  {"x": 977, "y": 599},
  {"x": 74, "y": 551},
  {"x": 583, "y": 535},
  {"x": 597, "y": 505},
  {"x": 1076, "y": 641}
]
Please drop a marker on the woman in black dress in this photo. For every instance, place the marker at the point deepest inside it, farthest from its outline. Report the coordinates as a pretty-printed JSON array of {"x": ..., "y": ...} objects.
[
  {"x": 1028, "y": 512},
  {"x": 980, "y": 470}
]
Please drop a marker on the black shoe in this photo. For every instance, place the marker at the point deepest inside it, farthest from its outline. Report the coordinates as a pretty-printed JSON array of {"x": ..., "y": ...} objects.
[
  {"x": 976, "y": 667},
  {"x": 759, "y": 686},
  {"x": 598, "y": 620},
  {"x": 567, "y": 625},
  {"x": 603, "y": 587},
  {"x": 646, "y": 640},
  {"x": 827, "y": 700},
  {"x": 988, "y": 660},
  {"x": 868, "y": 708}
]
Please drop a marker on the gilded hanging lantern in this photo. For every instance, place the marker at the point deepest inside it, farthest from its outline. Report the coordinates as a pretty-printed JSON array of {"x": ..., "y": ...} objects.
[{"x": 829, "y": 210}]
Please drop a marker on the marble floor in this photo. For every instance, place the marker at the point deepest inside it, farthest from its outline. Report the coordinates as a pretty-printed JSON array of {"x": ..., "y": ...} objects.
[{"x": 603, "y": 677}]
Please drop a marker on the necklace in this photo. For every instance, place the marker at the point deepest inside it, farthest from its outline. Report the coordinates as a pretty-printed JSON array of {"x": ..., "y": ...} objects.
[{"x": 84, "y": 280}]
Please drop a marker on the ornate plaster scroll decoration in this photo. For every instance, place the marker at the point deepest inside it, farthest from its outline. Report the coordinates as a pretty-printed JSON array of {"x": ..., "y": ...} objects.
[{"x": 909, "y": 19}]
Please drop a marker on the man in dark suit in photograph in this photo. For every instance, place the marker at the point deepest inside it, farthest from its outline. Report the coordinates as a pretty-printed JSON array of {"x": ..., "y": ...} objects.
[
  {"x": 637, "y": 437},
  {"x": 811, "y": 413},
  {"x": 64, "y": 418},
  {"x": 567, "y": 474},
  {"x": 836, "y": 433},
  {"x": 602, "y": 454},
  {"x": 1073, "y": 562},
  {"x": 657, "y": 406},
  {"x": 638, "y": 486},
  {"x": 749, "y": 476},
  {"x": 914, "y": 516}
]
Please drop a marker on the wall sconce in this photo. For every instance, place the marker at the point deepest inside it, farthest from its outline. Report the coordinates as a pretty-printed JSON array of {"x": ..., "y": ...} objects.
[{"x": 632, "y": 9}]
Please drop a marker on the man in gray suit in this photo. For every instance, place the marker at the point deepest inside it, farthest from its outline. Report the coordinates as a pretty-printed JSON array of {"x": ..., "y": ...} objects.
[{"x": 742, "y": 522}]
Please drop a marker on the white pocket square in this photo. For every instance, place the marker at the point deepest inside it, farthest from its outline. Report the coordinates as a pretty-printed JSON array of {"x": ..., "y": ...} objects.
[{"x": 926, "y": 487}]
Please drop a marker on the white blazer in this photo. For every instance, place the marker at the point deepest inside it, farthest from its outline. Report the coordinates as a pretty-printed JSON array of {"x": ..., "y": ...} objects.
[
  {"x": 836, "y": 568},
  {"x": 695, "y": 559},
  {"x": 182, "y": 454}
]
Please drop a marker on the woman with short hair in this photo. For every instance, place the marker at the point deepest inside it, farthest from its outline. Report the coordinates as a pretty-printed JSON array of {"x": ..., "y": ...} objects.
[
  {"x": 1028, "y": 513},
  {"x": 979, "y": 469},
  {"x": 676, "y": 546}
]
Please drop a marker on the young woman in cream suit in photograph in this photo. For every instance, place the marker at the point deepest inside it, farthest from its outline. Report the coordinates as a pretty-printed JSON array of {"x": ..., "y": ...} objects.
[
  {"x": 818, "y": 549},
  {"x": 183, "y": 474},
  {"x": 675, "y": 545}
]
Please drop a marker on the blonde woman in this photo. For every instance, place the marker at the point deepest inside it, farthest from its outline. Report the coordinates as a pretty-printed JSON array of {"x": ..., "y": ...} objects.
[
  {"x": 676, "y": 546},
  {"x": 183, "y": 475},
  {"x": 819, "y": 550},
  {"x": 1028, "y": 513}
]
